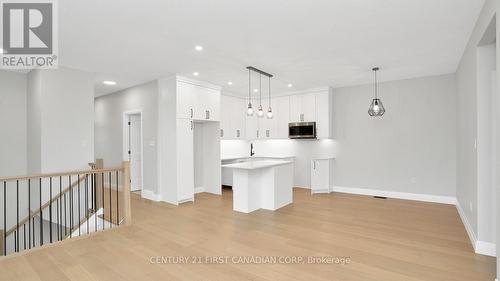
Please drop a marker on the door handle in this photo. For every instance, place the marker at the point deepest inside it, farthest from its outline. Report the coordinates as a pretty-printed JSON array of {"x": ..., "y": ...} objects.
[
  {"x": 314, "y": 165},
  {"x": 208, "y": 114},
  {"x": 267, "y": 133},
  {"x": 221, "y": 133},
  {"x": 191, "y": 125},
  {"x": 237, "y": 133},
  {"x": 191, "y": 112},
  {"x": 257, "y": 133}
]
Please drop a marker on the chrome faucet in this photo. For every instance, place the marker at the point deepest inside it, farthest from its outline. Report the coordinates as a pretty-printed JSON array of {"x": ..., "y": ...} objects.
[{"x": 252, "y": 152}]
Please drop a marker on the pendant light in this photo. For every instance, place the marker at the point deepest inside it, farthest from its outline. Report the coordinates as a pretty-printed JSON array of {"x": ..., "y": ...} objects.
[
  {"x": 376, "y": 107},
  {"x": 249, "y": 109},
  {"x": 269, "y": 114},
  {"x": 260, "y": 112}
]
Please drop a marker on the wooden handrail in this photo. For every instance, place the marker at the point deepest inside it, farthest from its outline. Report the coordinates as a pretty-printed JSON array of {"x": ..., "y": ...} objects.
[{"x": 84, "y": 172}]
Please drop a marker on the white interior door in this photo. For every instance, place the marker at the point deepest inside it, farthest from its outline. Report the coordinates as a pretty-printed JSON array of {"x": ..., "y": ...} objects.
[{"x": 135, "y": 152}]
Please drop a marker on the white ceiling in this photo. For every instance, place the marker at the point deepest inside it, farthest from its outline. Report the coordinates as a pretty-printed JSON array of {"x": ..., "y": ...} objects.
[{"x": 307, "y": 43}]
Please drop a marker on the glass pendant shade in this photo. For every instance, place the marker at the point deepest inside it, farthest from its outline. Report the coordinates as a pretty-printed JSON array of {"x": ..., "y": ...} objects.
[
  {"x": 376, "y": 108},
  {"x": 260, "y": 112},
  {"x": 249, "y": 110},
  {"x": 269, "y": 113}
]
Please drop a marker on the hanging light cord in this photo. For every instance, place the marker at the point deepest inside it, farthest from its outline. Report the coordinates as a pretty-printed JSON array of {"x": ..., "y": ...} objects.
[
  {"x": 249, "y": 87},
  {"x": 260, "y": 89},
  {"x": 376, "y": 85},
  {"x": 269, "y": 92}
]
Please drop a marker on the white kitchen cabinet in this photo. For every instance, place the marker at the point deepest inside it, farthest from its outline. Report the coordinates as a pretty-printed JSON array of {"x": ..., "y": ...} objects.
[
  {"x": 324, "y": 115},
  {"x": 225, "y": 121},
  {"x": 282, "y": 115},
  {"x": 252, "y": 127},
  {"x": 303, "y": 108},
  {"x": 185, "y": 160},
  {"x": 233, "y": 118},
  {"x": 197, "y": 102},
  {"x": 322, "y": 175}
]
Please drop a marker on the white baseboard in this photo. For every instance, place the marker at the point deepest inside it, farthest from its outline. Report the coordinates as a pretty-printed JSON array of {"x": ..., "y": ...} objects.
[
  {"x": 199, "y": 189},
  {"x": 397, "y": 195},
  {"x": 468, "y": 227},
  {"x": 486, "y": 248},
  {"x": 480, "y": 247},
  {"x": 300, "y": 186},
  {"x": 148, "y": 194}
]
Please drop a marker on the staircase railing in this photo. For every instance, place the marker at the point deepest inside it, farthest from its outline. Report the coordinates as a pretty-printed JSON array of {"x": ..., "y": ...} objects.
[{"x": 45, "y": 208}]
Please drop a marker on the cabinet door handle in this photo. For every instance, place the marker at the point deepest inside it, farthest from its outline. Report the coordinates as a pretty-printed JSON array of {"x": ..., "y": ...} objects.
[
  {"x": 302, "y": 117},
  {"x": 257, "y": 133},
  {"x": 191, "y": 125},
  {"x": 237, "y": 133},
  {"x": 221, "y": 133},
  {"x": 267, "y": 133},
  {"x": 208, "y": 114},
  {"x": 191, "y": 113},
  {"x": 314, "y": 165}
]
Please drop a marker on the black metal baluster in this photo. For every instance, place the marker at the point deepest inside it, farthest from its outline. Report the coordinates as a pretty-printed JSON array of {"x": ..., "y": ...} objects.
[
  {"x": 70, "y": 209},
  {"x": 87, "y": 201},
  {"x": 117, "y": 198},
  {"x": 34, "y": 237},
  {"x": 5, "y": 218},
  {"x": 79, "y": 208},
  {"x": 41, "y": 214},
  {"x": 60, "y": 207},
  {"x": 102, "y": 200},
  {"x": 65, "y": 216},
  {"x": 24, "y": 239},
  {"x": 29, "y": 213},
  {"x": 17, "y": 216},
  {"x": 110, "y": 203},
  {"x": 15, "y": 241},
  {"x": 50, "y": 209}
]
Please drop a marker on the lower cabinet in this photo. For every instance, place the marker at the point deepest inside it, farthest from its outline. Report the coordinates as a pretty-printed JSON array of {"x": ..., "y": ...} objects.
[{"x": 322, "y": 175}]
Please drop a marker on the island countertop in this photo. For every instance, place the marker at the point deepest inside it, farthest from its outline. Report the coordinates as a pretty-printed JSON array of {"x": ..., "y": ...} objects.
[{"x": 252, "y": 165}]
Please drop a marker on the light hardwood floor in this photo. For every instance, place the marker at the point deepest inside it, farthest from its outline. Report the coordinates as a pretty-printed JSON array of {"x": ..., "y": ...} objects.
[{"x": 385, "y": 240}]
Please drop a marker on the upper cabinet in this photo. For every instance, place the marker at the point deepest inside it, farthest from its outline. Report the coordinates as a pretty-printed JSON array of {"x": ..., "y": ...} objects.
[
  {"x": 233, "y": 118},
  {"x": 197, "y": 101},
  {"x": 314, "y": 106},
  {"x": 303, "y": 108}
]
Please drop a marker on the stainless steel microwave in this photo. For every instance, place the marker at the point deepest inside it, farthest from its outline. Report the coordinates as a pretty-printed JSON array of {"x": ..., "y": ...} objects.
[{"x": 302, "y": 130}]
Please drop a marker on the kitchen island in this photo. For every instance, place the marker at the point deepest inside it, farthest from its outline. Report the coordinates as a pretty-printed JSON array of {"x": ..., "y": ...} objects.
[{"x": 264, "y": 184}]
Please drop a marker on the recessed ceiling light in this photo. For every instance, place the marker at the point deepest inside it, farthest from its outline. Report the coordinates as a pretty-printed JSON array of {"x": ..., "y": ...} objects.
[
  {"x": 198, "y": 48},
  {"x": 110, "y": 83},
  {"x": 2, "y": 51},
  {"x": 290, "y": 85},
  {"x": 230, "y": 83},
  {"x": 196, "y": 73},
  {"x": 255, "y": 90}
]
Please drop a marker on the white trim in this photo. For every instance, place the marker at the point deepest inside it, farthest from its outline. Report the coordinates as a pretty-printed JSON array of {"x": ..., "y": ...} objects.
[
  {"x": 480, "y": 247},
  {"x": 486, "y": 248},
  {"x": 199, "y": 189},
  {"x": 149, "y": 195},
  {"x": 398, "y": 195},
  {"x": 468, "y": 227},
  {"x": 125, "y": 140},
  {"x": 301, "y": 186}
]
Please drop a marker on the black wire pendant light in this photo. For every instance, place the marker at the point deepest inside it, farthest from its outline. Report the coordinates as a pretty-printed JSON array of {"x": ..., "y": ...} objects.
[
  {"x": 376, "y": 107},
  {"x": 260, "y": 110}
]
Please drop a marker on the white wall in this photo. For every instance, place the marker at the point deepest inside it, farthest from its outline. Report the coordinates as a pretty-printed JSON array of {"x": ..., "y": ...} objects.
[
  {"x": 13, "y": 119},
  {"x": 467, "y": 118},
  {"x": 411, "y": 148},
  {"x": 109, "y": 111}
]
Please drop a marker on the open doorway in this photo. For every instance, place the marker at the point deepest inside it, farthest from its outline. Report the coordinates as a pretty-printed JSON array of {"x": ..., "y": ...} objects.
[{"x": 133, "y": 148}]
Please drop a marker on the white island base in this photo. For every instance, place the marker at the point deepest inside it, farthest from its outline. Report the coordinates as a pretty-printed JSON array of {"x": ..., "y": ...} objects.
[{"x": 262, "y": 185}]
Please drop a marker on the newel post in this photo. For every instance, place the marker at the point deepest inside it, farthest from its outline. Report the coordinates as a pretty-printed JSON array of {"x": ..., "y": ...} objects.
[
  {"x": 2, "y": 242},
  {"x": 127, "y": 209},
  {"x": 99, "y": 165}
]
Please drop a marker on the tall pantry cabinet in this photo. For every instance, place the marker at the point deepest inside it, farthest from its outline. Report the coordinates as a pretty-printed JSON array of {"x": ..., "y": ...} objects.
[{"x": 186, "y": 105}]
